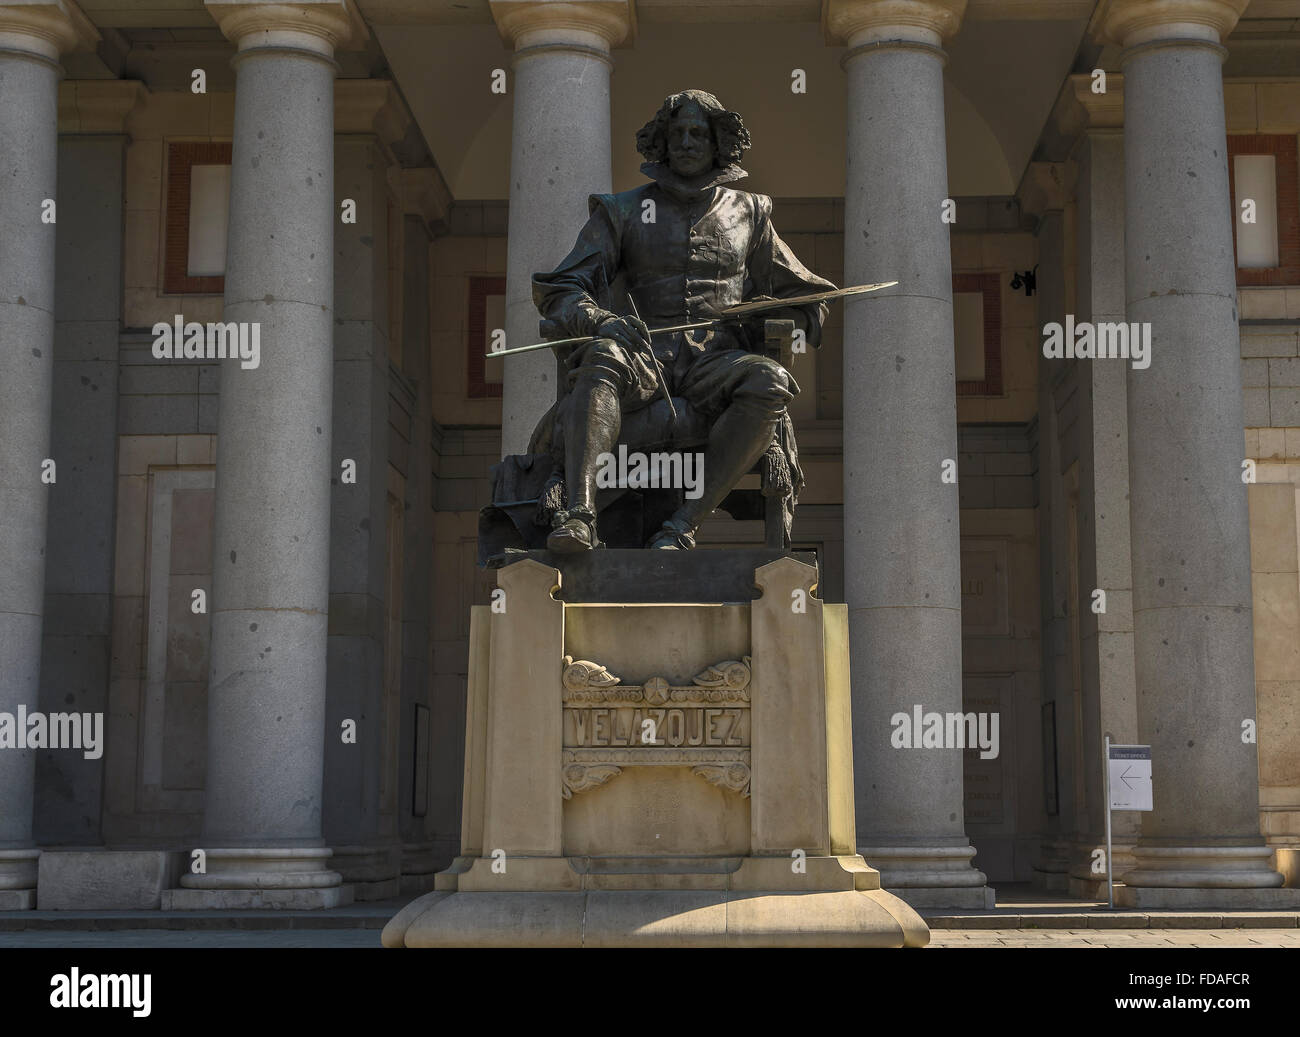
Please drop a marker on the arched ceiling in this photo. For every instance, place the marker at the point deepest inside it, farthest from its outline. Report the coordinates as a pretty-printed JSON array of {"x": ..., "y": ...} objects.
[{"x": 1000, "y": 84}]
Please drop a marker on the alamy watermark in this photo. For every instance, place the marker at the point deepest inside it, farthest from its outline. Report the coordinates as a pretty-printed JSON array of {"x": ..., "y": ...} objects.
[
  {"x": 1104, "y": 341},
  {"x": 94, "y": 990},
  {"x": 84, "y": 731},
  {"x": 640, "y": 471},
  {"x": 921, "y": 730},
  {"x": 232, "y": 340}
]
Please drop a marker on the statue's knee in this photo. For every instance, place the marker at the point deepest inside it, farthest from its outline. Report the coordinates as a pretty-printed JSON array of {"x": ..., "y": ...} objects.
[
  {"x": 769, "y": 383},
  {"x": 601, "y": 363}
]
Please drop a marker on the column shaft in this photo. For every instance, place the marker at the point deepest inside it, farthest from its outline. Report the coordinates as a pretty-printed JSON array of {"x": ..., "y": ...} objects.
[
  {"x": 28, "y": 152},
  {"x": 1190, "y": 527},
  {"x": 901, "y": 520},
  {"x": 559, "y": 155},
  {"x": 1053, "y": 563},
  {"x": 266, "y": 697}
]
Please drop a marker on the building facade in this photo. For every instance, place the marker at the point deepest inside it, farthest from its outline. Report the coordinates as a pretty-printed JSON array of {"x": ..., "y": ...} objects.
[{"x": 252, "y": 256}]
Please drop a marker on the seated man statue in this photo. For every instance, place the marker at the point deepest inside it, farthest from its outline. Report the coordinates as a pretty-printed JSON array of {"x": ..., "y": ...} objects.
[{"x": 682, "y": 249}]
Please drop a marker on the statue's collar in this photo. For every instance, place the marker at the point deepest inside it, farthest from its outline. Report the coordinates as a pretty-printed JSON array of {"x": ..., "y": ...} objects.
[{"x": 688, "y": 191}]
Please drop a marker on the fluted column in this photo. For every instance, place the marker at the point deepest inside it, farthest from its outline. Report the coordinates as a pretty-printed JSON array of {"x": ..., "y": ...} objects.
[
  {"x": 266, "y": 693},
  {"x": 32, "y": 36},
  {"x": 902, "y": 578},
  {"x": 559, "y": 154},
  {"x": 1192, "y": 619}
]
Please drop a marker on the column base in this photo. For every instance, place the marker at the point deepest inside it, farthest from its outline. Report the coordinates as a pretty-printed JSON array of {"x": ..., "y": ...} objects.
[
  {"x": 962, "y": 898},
  {"x": 1051, "y": 870},
  {"x": 1201, "y": 868},
  {"x": 275, "y": 878},
  {"x": 17, "y": 899},
  {"x": 256, "y": 899},
  {"x": 931, "y": 876},
  {"x": 420, "y": 863},
  {"x": 1085, "y": 884},
  {"x": 1087, "y": 889},
  {"x": 1182, "y": 898},
  {"x": 18, "y": 879},
  {"x": 374, "y": 872}
]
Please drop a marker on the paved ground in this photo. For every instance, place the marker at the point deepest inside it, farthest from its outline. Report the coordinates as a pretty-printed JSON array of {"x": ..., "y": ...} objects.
[
  {"x": 180, "y": 938},
  {"x": 1222, "y": 938},
  {"x": 1024, "y": 917},
  {"x": 939, "y": 938}
]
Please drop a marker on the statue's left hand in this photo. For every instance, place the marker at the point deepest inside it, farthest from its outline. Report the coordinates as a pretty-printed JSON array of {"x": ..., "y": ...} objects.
[{"x": 629, "y": 332}]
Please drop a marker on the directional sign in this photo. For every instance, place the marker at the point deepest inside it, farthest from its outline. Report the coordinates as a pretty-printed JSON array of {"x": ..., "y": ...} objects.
[{"x": 1129, "y": 769}]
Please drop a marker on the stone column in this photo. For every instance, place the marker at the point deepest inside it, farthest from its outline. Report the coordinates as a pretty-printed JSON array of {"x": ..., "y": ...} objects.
[
  {"x": 369, "y": 118},
  {"x": 425, "y": 203},
  {"x": 32, "y": 36},
  {"x": 902, "y": 581},
  {"x": 1192, "y": 619},
  {"x": 80, "y": 535},
  {"x": 559, "y": 154},
  {"x": 266, "y": 697},
  {"x": 1053, "y": 575},
  {"x": 1108, "y": 672}
]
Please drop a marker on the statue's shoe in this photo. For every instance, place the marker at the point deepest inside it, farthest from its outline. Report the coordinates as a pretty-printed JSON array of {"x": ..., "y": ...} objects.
[
  {"x": 672, "y": 537},
  {"x": 572, "y": 536}
]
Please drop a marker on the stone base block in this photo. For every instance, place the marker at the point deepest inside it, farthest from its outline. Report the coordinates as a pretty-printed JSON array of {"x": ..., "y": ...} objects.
[
  {"x": 256, "y": 899},
  {"x": 657, "y": 918},
  {"x": 1170, "y": 898},
  {"x": 967, "y": 898},
  {"x": 17, "y": 899},
  {"x": 105, "y": 880}
]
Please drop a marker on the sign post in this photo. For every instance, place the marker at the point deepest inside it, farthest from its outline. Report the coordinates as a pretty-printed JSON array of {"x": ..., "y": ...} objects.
[{"x": 1128, "y": 787}]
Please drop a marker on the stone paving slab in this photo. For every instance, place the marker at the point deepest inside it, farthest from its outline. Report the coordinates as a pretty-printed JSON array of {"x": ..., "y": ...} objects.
[
  {"x": 939, "y": 938},
  {"x": 368, "y": 916},
  {"x": 166, "y": 938},
  {"x": 1052, "y": 938},
  {"x": 1104, "y": 919}
]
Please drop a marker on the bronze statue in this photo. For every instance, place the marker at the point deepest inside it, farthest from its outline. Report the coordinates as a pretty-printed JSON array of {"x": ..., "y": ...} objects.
[{"x": 681, "y": 249}]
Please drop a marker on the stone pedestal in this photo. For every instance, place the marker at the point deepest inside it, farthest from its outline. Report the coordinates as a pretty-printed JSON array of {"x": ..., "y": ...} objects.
[
  {"x": 666, "y": 774},
  {"x": 107, "y": 880}
]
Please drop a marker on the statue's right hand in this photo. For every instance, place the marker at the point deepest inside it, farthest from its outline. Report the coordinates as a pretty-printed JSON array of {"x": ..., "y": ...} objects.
[{"x": 628, "y": 332}]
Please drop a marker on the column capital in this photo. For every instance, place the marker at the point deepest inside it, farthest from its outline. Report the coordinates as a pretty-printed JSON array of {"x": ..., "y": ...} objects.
[
  {"x": 45, "y": 27},
  {"x": 98, "y": 105},
  {"x": 1043, "y": 188},
  {"x": 424, "y": 194},
  {"x": 370, "y": 106},
  {"x": 1104, "y": 111},
  {"x": 318, "y": 25},
  {"x": 1131, "y": 22},
  {"x": 600, "y": 24},
  {"x": 855, "y": 22}
]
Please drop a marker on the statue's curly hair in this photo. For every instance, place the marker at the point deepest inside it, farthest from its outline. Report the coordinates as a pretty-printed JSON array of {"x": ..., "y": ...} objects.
[{"x": 729, "y": 133}]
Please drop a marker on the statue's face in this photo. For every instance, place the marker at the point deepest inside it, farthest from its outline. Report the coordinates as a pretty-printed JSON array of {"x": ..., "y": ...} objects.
[{"x": 690, "y": 141}]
